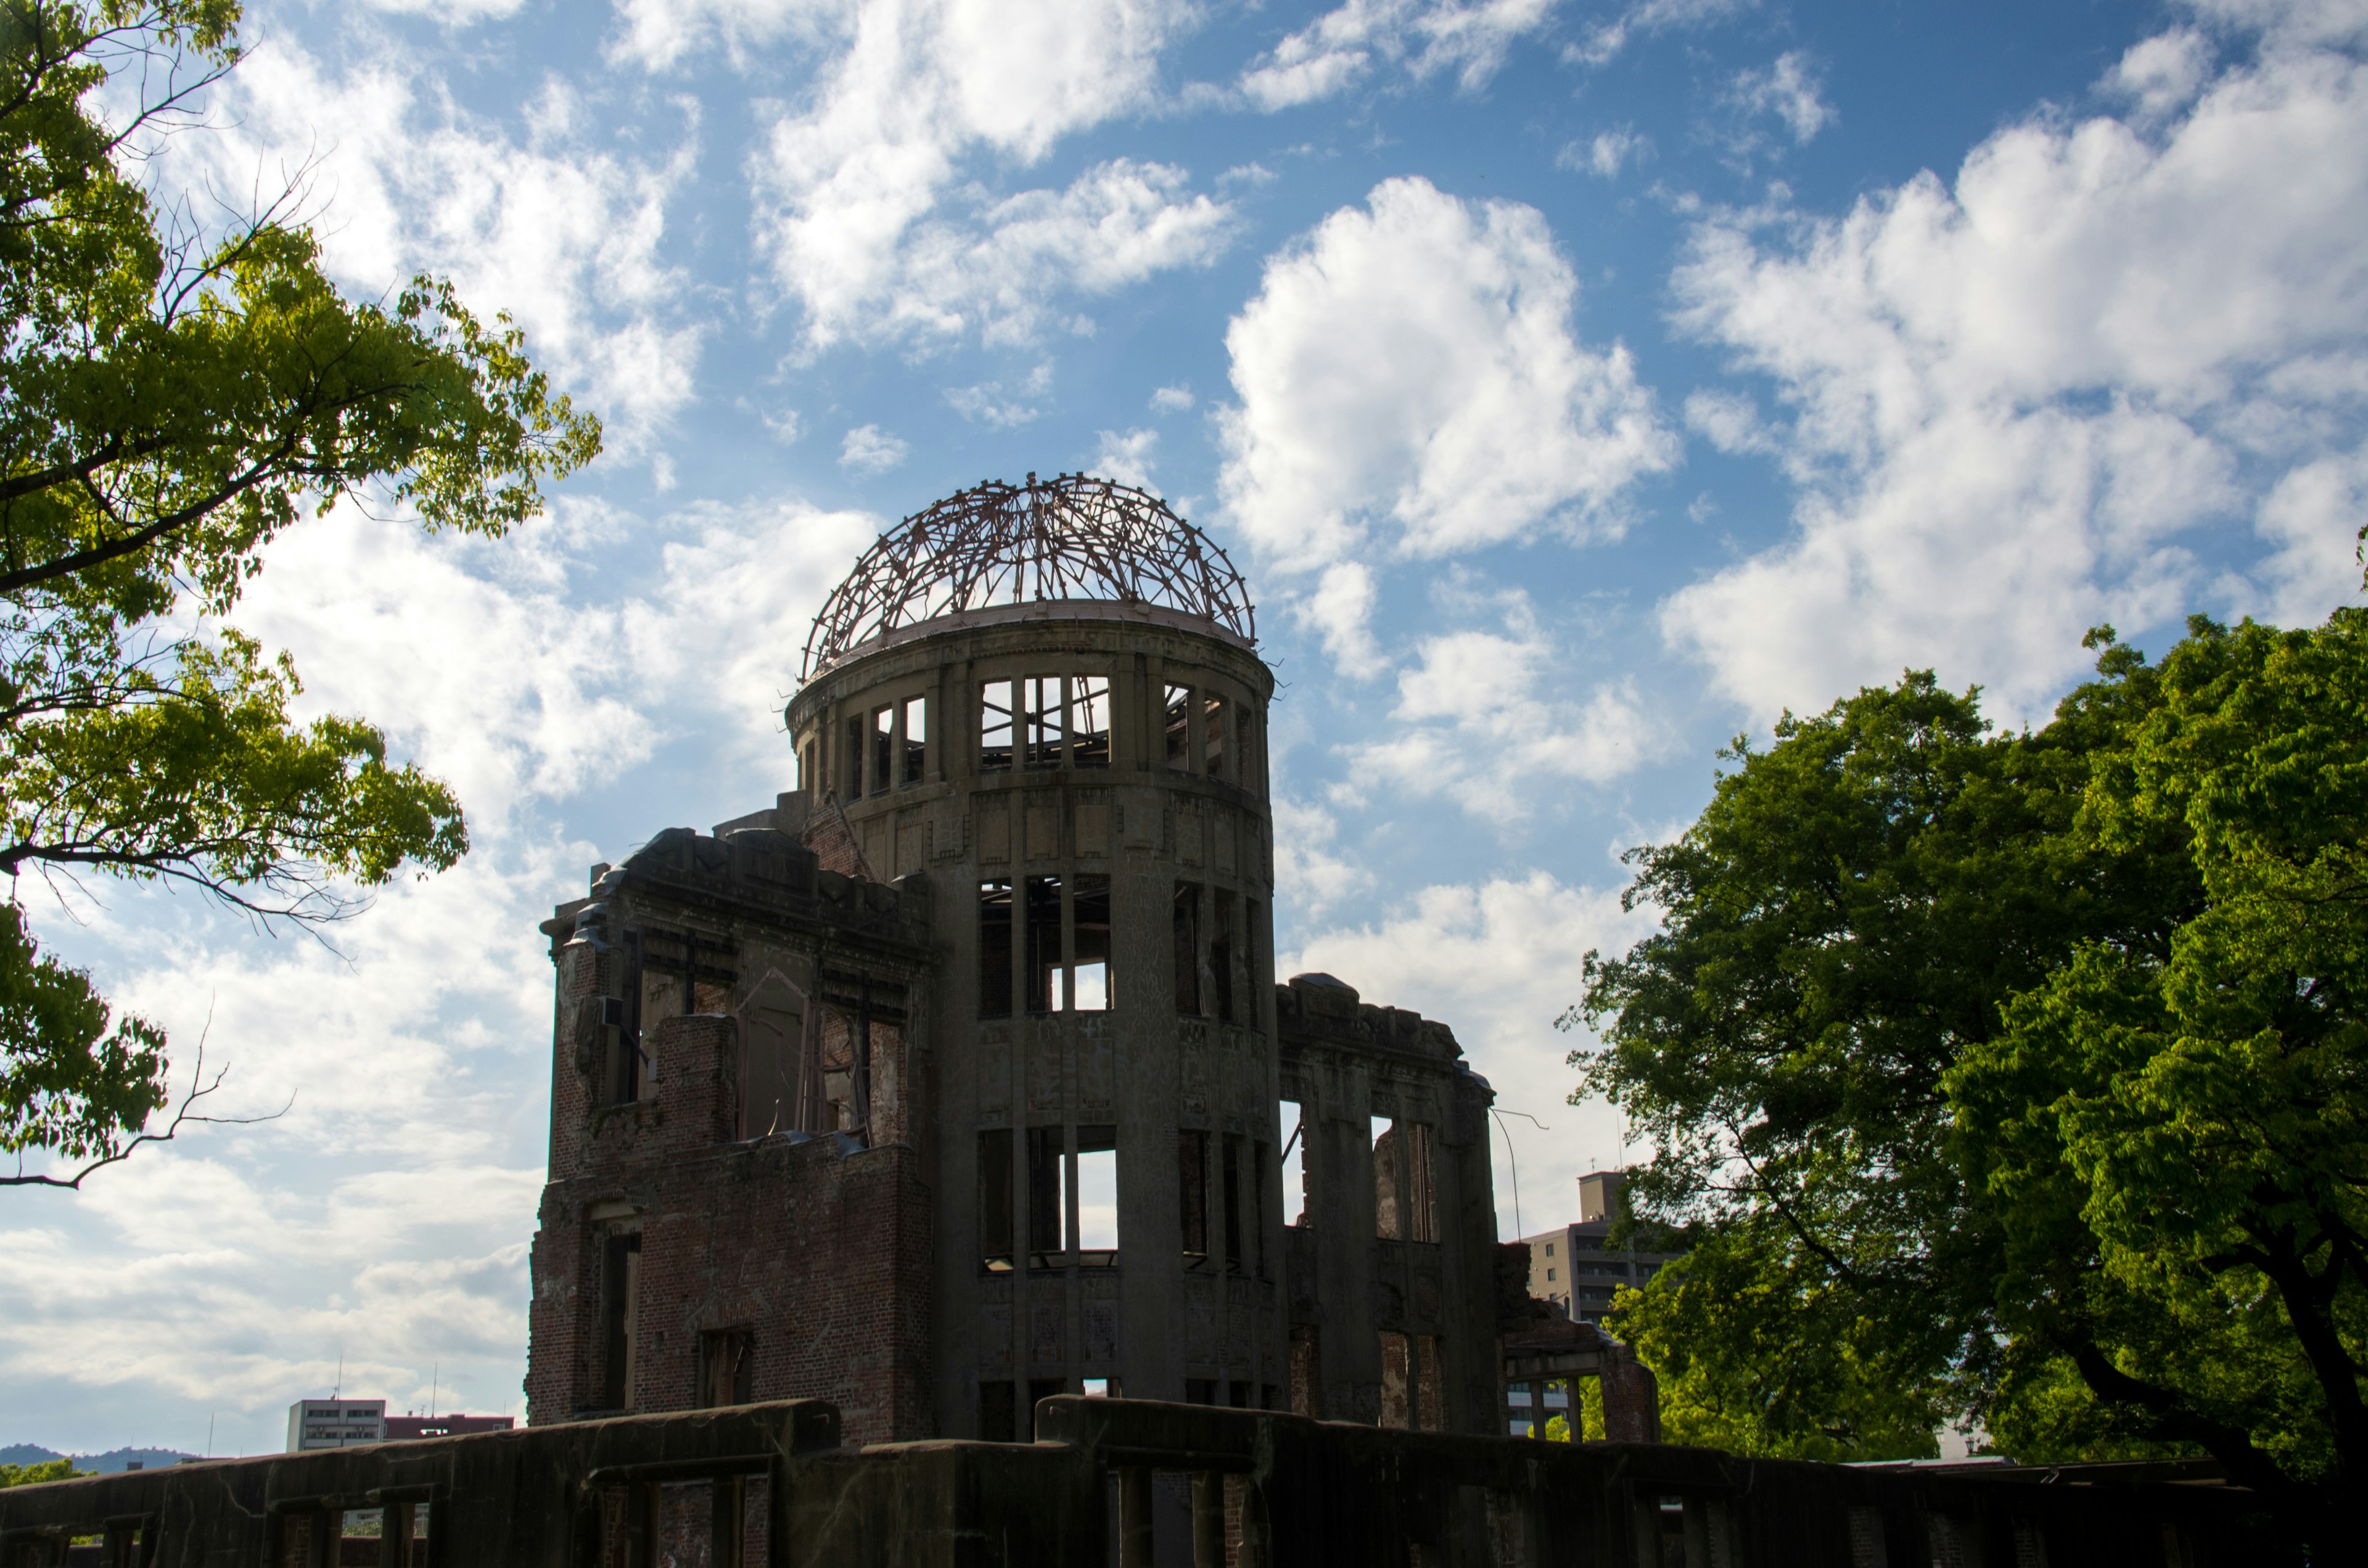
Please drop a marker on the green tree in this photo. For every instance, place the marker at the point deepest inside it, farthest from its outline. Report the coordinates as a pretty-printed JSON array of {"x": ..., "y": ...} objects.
[
  {"x": 1840, "y": 924},
  {"x": 43, "y": 1469},
  {"x": 2175, "y": 1141},
  {"x": 175, "y": 396}
]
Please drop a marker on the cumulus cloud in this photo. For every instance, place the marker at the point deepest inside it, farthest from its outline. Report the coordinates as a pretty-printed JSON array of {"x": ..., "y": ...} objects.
[
  {"x": 1125, "y": 456},
  {"x": 1788, "y": 90},
  {"x": 1499, "y": 960},
  {"x": 1607, "y": 153},
  {"x": 1410, "y": 383},
  {"x": 851, "y": 186},
  {"x": 870, "y": 449},
  {"x": 1605, "y": 38},
  {"x": 2013, "y": 397},
  {"x": 1172, "y": 400},
  {"x": 1469, "y": 38},
  {"x": 566, "y": 236}
]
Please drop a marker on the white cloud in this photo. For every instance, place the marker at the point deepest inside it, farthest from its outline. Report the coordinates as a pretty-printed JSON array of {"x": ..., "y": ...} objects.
[
  {"x": 659, "y": 34},
  {"x": 1411, "y": 384},
  {"x": 2012, "y": 398},
  {"x": 1172, "y": 400},
  {"x": 1787, "y": 89},
  {"x": 564, "y": 236},
  {"x": 1728, "y": 420},
  {"x": 1498, "y": 961},
  {"x": 1310, "y": 870},
  {"x": 2312, "y": 518},
  {"x": 1479, "y": 720},
  {"x": 2163, "y": 73},
  {"x": 1605, "y": 39},
  {"x": 1607, "y": 153},
  {"x": 846, "y": 184},
  {"x": 870, "y": 449},
  {"x": 1340, "y": 48},
  {"x": 1125, "y": 456}
]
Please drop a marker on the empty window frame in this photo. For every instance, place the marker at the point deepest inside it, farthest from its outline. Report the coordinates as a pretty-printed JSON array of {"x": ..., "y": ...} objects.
[
  {"x": 1397, "y": 1406},
  {"x": 1429, "y": 1391},
  {"x": 1386, "y": 1185},
  {"x": 1306, "y": 1372},
  {"x": 996, "y": 708},
  {"x": 1253, "y": 944},
  {"x": 1047, "y": 1246},
  {"x": 915, "y": 740},
  {"x": 1212, "y": 737},
  {"x": 1294, "y": 1165},
  {"x": 1193, "y": 1195},
  {"x": 1090, "y": 722},
  {"x": 1090, "y": 990},
  {"x": 1221, "y": 954},
  {"x": 1046, "y": 974},
  {"x": 1044, "y": 718},
  {"x": 1185, "y": 920},
  {"x": 1420, "y": 1219},
  {"x": 1179, "y": 726},
  {"x": 995, "y": 1200},
  {"x": 995, "y": 948},
  {"x": 620, "y": 1289},
  {"x": 851, "y": 784},
  {"x": 1094, "y": 1200},
  {"x": 1245, "y": 772},
  {"x": 882, "y": 770},
  {"x": 727, "y": 1366},
  {"x": 999, "y": 1411}
]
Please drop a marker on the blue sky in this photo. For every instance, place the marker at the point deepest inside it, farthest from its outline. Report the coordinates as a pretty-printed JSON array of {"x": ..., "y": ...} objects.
[{"x": 1578, "y": 386}]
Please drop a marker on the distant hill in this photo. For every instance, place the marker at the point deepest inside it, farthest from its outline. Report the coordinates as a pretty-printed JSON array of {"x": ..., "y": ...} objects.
[{"x": 103, "y": 1464}]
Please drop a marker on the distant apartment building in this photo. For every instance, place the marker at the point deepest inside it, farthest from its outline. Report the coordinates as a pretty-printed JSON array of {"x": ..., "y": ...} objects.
[
  {"x": 343, "y": 1423},
  {"x": 1576, "y": 1267}
]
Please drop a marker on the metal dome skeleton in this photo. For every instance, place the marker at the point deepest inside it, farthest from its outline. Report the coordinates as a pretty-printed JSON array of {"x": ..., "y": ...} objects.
[{"x": 1072, "y": 537}]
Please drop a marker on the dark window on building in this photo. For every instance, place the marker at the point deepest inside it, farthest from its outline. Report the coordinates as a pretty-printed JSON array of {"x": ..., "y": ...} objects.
[
  {"x": 1221, "y": 955},
  {"x": 1192, "y": 1194},
  {"x": 1212, "y": 738},
  {"x": 1232, "y": 1204},
  {"x": 1095, "y": 1200},
  {"x": 915, "y": 739},
  {"x": 883, "y": 749},
  {"x": 1179, "y": 728},
  {"x": 1186, "y": 918},
  {"x": 1090, "y": 919},
  {"x": 995, "y": 948},
  {"x": 853, "y": 765},
  {"x": 994, "y": 725},
  {"x": 1044, "y": 970},
  {"x": 1241, "y": 1395},
  {"x": 1257, "y": 1220},
  {"x": 1245, "y": 772},
  {"x": 1047, "y": 1247},
  {"x": 1306, "y": 1372},
  {"x": 1421, "y": 1188},
  {"x": 727, "y": 1366},
  {"x": 994, "y": 1197},
  {"x": 1253, "y": 944},
  {"x": 1042, "y": 713},
  {"x": 620, "y": 1289},
  {"x": 1199, "y": 1390},
  {"x": 1090, "y": 722},
  {"x": 1430, "y": 1394},
  {"x": 1397, "y": 1382},
  {"x": 999, "y": 1412}
]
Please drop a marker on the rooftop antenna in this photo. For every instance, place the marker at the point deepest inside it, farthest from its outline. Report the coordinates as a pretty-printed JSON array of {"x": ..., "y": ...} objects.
[
  {"x": 1513, "y": 1163},
  {"x": 209, "y": 1434},
  {"x": 338, "y": 1392},
  {"x": 432, "y": 1388}
]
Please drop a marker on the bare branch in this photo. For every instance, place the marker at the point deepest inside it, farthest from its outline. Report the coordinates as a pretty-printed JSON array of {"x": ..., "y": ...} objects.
[{"x": 183, "y": 1114}]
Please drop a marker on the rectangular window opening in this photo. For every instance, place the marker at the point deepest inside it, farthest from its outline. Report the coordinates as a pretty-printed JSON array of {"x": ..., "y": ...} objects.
[
  {"x": 1185, "y": 918},
  {"x": 1213, "y": 739},
  {"x": 915, "y": 739},
  {"x": 883, "y": 749},
  {"x": 1045, "y": 974},
  {"x": 1046, "y": 1244},
  {"x": 1253, "y": 916},
  {"x": 1042, "y": 714},
  {"x": 621, "y": 1317},
  {"x": 1099, "y": 1388},
  {"x": 853, "y": 765},
  {"x": 1243, "y": 772},
  {"x": 727, "y": 1366},
  {"x": 1179, "y": 728},
  {"x": 1431, "y": 1392},
  {"x": 1256, "y": 1219},
  {"x": 994, "y": 725},
  {"x": 1090, "y": 722},
  {"x": 1039, "y": 1391},
  {"x": 1294, "y": 1165},
  {"x": 999, "y": 1412},
  {"x": 1386, "y": 1179},
  {"x": 1232, "y": 1198},
  {"x": 1090, "y": 918},
  {"x": 1221, "y": 955},
  {"x": 1397, "y": 1409},
  {"x": 995, "y": 948},
  {"x": 1307, "y": 1384},
  {"x": 1193, "y": 1195},
  {"x": 995, "y": 1198},
  {"x": 1422, "y": 1194},
  {"x": 1097, "y": 1197}
]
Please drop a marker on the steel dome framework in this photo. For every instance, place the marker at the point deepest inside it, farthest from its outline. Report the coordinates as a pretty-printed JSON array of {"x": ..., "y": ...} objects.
[{"x": 1072, "y": 536}]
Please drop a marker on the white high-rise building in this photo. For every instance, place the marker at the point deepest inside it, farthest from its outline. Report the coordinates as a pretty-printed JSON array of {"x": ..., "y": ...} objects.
[{"x": 335, "y": 1423}]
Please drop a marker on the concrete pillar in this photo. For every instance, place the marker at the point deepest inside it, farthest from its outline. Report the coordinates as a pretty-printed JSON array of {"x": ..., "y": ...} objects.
[
  {"x": 1208, "y": 1519},
  {"x": 1631, "y": 1401},
  {"x": 1134, "y": 1516}
]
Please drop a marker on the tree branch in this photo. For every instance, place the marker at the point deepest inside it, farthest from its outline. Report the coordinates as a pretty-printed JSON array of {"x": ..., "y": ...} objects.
[{"x": 183, "y": 1114}]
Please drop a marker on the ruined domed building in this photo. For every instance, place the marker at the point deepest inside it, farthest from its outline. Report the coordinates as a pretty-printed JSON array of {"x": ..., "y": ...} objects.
[{"x": 959, "y": 1076}]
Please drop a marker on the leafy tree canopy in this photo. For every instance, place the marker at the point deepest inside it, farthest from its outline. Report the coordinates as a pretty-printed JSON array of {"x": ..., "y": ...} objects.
[
  {"x": 2018, "y": 1076},
  {"x": 176, "y": 394},
  {"x": 42, "y": 1470}
]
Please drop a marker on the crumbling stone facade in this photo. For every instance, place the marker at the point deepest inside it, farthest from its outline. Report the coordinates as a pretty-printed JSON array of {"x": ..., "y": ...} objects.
[{"x": 954, "y": 1080}]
